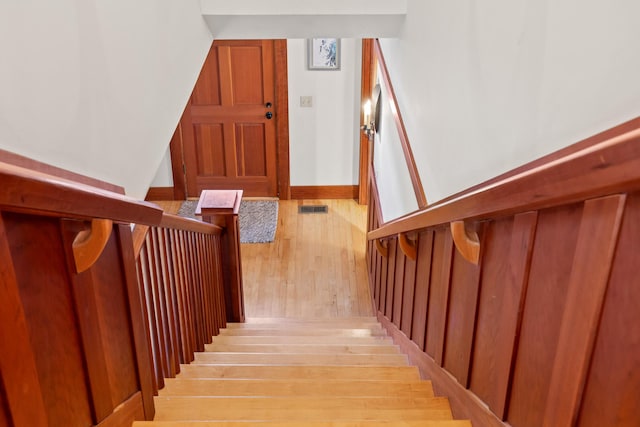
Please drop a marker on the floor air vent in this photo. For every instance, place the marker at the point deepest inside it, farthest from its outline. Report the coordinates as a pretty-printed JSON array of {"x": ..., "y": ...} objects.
[{"x": 311, "y": 209}]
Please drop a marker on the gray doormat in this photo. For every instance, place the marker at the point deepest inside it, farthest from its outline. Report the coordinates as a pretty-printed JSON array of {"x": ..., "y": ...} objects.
[{"x": 258, "y": 219}]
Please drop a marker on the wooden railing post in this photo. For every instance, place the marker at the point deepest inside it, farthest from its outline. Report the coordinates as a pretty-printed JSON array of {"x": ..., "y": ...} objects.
[{"x": 220, "y": 207}]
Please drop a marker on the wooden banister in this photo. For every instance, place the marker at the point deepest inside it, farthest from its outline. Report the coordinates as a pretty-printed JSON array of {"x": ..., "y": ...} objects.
[
  {"x": 533, "y": 320},
  {"x": 36, "y": 192},
  {"x": 98, "y": 315},
  {"x": 598, "y": 170}
]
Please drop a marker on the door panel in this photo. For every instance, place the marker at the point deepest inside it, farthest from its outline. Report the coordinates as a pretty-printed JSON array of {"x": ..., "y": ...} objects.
[
  {"x": 210, "y": 149},
  {"x": 228, "y": 141},
  {"x": 246, "y": 75},
  {"x": 207, "y": 90},
  {"x": 251, "y": 155}
]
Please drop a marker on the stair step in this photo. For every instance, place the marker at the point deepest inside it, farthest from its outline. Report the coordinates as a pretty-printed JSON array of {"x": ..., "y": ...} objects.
[
  {"x": 312, "y": 320},
  {"x": 269, "y": 323},
  {"x": 300, "y": 408},
  {"x": 300, "y": 359},
  {"x": 302, "y": 348},
  {"x": 374, "y": 373},
  {"x": 290, "y": 372},
  {"x": 314, "y": 332},
  {"x": 306, "y": 326},
  {"x": 300, "y": 387},
  {"x": 279, "y": 340},
  {"x": 368, "y": 423}
]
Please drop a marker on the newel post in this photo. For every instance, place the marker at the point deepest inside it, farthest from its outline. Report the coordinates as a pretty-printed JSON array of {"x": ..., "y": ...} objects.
[{"x": 220, "y": 207}]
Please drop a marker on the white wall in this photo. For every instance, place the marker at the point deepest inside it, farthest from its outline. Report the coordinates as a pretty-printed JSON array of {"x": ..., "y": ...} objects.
[
  {"x": 164, "y": 174},
  {"x": 97, "y": 87},
  {"x": 324, "y": 139},
  {"x": 397, "y": 197},
  {"x": 487, "y": 86}
]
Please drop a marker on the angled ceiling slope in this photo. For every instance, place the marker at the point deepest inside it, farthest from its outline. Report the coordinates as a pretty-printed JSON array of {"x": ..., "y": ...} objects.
[{"x": 250, "y": 19}]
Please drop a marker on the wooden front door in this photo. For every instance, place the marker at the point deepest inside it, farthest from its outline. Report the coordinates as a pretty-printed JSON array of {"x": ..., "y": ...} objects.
[{"x": 229, "y": 124}]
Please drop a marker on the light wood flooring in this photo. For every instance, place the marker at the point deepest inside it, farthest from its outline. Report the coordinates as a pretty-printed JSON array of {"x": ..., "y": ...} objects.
[{"x": 315, "y": 267}]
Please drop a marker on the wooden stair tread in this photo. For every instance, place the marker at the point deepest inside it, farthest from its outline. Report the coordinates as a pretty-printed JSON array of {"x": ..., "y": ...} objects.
[
  {"x": 300, "y": 359},
  {"x": 301, "y": 371},
  {"x": 377, "y": 373},
  {"x": 300, "y": 408},
  {"x": 312, "y": 320},
  {"x": 316, "y": 332},
  {"x": 303, "y": 348},
  {"x": 367, "y": 423},
  {"x": 296, "y": 387},
  {"x": 300, "y": 339},
  {"x": 318, "y": 324}
]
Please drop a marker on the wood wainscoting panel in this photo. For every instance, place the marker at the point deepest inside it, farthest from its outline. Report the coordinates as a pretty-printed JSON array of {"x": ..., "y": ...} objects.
[
  {"x": 552, "y": 258},
  {"x": 618, "y": 337},
  {"x": 41, "y": 272},
  {"x": 508, "y": 246},
  {"x": 391, "y": 277},
  {"x": 301, "y": 192},
  {"x": 111, "y": 297},
  {"x": 439, "y": 293},
  {"x": 461, "y": 318},
  {"x": 398, "y": 289},
  {"x": 545, "y": 331},
  {"x": 21, "y": 401},
  {"x": 421, "y": 296},
  {"x": 384, "y": 282},
  {"x": 597, "y": 240},
  {"x": 5, "y": 418},
  {"x": 83, "y": 289},
  {"x": 409, "y": 289}
]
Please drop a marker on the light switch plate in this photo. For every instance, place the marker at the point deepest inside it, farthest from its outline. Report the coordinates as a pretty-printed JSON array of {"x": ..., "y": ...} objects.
[{"x": 306, "y": 101}]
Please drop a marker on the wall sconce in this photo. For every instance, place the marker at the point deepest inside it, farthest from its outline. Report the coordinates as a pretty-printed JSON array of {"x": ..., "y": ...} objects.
[
  {"x": 371, "y": 110},
  {"x": 369, "y": 127}
]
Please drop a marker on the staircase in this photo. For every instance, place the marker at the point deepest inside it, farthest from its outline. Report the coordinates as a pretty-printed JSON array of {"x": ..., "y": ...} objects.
[{"x": 300, "y": 372}]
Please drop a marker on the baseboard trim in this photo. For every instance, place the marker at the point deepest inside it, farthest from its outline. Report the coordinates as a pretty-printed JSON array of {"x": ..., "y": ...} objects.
[
  {"x": 464, "y": 404},
  {"x": 324, "y": 192},
  {"x": 160, "y": 193}
]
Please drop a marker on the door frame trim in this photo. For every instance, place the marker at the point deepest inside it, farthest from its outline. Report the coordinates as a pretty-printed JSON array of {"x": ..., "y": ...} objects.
[
  {"x": 282, "y": 119},
  {"x": 366, "y": 85}
]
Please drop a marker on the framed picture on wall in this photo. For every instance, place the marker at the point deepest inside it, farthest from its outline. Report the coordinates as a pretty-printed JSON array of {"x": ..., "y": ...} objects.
[{"x": 323, "y": 54}]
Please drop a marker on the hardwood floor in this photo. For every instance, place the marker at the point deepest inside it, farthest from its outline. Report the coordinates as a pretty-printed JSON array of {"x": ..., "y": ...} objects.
[{"x": 315, "y": 267}]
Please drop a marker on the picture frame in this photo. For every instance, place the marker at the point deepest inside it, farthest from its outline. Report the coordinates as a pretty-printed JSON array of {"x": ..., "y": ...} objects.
[{"x": 323, "y": 54}]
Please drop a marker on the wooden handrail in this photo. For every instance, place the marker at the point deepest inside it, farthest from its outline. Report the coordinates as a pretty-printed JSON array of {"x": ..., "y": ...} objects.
[
  {"x": 575, "y": 177},
  {"x": 30, "y": 191}
]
